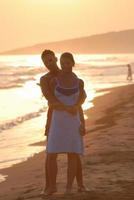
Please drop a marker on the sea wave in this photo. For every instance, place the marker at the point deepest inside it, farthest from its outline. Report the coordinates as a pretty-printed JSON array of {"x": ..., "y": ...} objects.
[
  {"x": 17, "y": 76},
  {"x": 11, "y": 160},
  {"x": 14, "y": 122}
]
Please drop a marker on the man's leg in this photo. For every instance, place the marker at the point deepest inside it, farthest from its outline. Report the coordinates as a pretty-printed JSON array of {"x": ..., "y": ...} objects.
[
  {"x": 48, "y": 121},
  {"x": 79, "y": 174}
]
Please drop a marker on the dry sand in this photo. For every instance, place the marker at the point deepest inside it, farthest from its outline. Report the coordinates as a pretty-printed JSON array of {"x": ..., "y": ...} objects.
[{"x": 108, "y": 162}]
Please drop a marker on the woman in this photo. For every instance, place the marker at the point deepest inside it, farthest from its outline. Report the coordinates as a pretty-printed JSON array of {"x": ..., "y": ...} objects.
[{"x": 64, "y": 133}]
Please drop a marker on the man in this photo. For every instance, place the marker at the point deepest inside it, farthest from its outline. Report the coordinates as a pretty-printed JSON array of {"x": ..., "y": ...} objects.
[
  {"x": 129, "y": 75},
  {"x": 50, "y": 61}
]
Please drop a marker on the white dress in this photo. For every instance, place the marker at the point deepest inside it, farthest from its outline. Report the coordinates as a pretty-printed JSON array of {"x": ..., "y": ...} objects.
[{"x": 64, "y": 135}]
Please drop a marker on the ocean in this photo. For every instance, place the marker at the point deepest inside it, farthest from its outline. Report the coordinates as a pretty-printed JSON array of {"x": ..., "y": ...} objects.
[{"x": 23, "y": 109}]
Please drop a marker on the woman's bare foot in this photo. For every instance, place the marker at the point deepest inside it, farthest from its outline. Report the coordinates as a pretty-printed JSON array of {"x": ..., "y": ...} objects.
[
  {"x": 68, "y": 191},
  {"x": 83, "y": 189},
  {"x": 49, "y": 191}
]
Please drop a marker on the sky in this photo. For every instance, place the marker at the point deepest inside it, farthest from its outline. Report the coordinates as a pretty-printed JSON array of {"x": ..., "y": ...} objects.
[{"x": 29, "y": 22}]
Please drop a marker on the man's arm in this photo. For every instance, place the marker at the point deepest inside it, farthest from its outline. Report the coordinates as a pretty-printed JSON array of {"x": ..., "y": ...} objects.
[
  {"x": 82, "y": 96},
  {"x": 47, "y": 89},
  {"x": 48, "y": 93}
]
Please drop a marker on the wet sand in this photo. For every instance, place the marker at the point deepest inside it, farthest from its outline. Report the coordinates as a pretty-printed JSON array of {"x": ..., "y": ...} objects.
[{"x": 108, "y": 162}]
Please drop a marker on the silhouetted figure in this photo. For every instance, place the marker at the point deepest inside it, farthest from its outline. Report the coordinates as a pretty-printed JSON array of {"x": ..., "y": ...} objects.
[
  {"x": 129, "y": 75},
  {"x": 50, "y": 61}
]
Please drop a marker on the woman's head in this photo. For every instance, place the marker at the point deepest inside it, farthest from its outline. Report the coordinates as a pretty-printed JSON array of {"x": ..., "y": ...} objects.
[{"x": 67, "y": 61}]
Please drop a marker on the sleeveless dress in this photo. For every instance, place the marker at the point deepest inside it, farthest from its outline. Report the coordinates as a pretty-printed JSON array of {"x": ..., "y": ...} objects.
[{"x": 64, "y": 133}]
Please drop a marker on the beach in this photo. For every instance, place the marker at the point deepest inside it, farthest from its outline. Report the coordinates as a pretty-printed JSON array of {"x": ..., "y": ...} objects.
[
  {"x": 108, "y": 162},
  {"x": 66, "y": 52}
]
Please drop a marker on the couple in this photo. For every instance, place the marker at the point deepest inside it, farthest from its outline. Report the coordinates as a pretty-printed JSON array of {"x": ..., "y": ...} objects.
[{"x": 65, "y": 120}]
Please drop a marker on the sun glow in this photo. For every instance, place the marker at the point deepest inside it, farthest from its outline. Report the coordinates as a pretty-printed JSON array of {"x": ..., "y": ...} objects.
[{"x": 53, "y": 1}]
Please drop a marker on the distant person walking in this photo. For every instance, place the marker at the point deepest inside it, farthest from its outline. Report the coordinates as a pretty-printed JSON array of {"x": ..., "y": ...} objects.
[{"x": 129, "y": 75}]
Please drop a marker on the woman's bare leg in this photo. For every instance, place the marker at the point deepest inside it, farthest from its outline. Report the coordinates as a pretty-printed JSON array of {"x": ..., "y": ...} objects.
[
  {"x": 52, "y": 171},
  {"x": 72, "y": 169},
  {"x": 79, "y": 175},
  {"x": 46, "y": 174}
]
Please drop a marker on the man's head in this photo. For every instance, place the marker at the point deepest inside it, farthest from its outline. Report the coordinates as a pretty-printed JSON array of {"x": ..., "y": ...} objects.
[{"x": 49, "y": 59}]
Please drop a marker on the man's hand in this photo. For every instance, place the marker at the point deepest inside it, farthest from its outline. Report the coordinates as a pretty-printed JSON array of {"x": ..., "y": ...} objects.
[
  {"x": 72, "y": 109},
  {"x": 58, "y": 106}
]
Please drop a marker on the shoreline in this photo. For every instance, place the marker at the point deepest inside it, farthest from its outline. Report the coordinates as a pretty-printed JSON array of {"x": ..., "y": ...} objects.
[{"x": 104, "y": 156}]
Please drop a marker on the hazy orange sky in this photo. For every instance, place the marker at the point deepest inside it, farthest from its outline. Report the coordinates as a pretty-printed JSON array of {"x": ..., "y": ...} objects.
[{"x": 28, "y": 22}]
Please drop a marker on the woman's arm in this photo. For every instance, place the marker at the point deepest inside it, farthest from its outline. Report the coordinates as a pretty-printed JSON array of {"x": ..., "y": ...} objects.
[
  {"x": 60, "y": 106},
  {"x": 55, "y": 104},
  {"x": 82, "y": 94}
]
